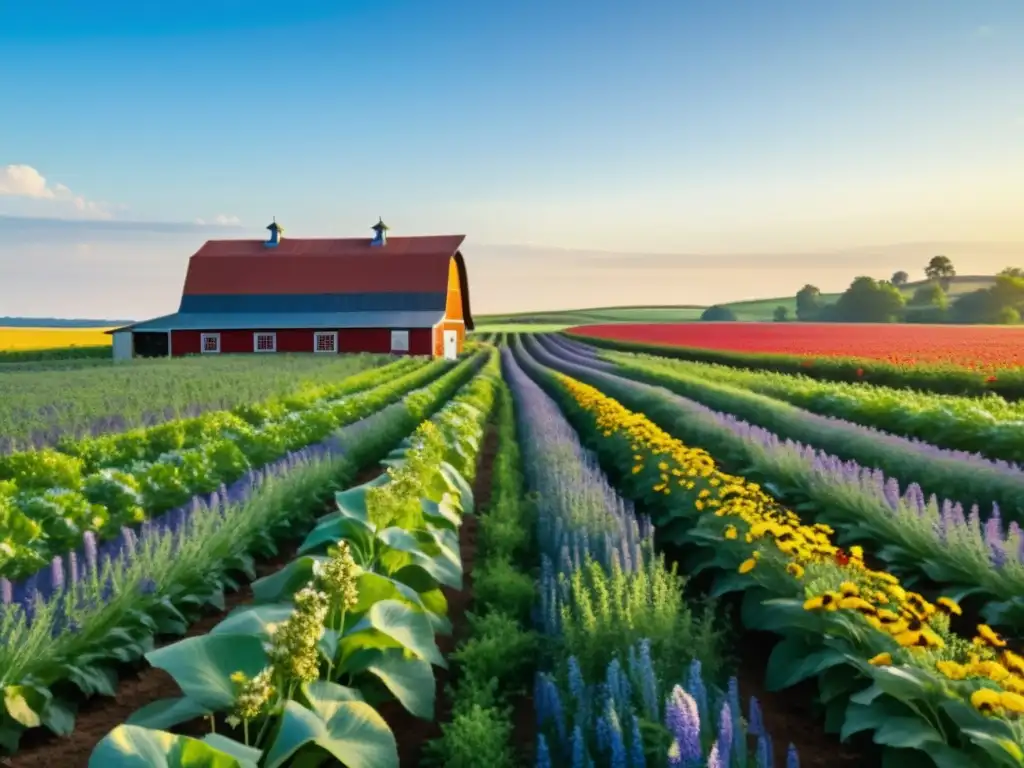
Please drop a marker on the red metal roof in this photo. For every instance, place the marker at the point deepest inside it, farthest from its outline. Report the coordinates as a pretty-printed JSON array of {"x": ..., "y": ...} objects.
[{"x": 317, "y": 266}]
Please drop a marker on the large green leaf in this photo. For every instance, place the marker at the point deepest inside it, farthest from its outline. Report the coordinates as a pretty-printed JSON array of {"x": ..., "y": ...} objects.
[
  {"x": 167, "y": 713},
  {"x": 443, "y": 513},
  {"x": 908, "y": 733},
  {"x": 411, "y": 681},
  {"x": 441, "y": 566},
  {"x": 26, "y": 704},
  {"x": 351, "y": 731},
  {"x": 130, "y": 746},
  {"x": 282, "y": 584},
  {"x": 255, "y": 620},
  {"x": 794, "y": 659},
  {"x": 405, "y": 626},
  {"x": 459, "y": 484},
  {"x": 202, "y": 666}
]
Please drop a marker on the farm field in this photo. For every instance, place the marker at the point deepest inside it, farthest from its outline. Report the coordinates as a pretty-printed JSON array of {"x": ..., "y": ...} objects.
[
  {"x": 19, "y": 339},
  {"x": 554, "y": 551}
]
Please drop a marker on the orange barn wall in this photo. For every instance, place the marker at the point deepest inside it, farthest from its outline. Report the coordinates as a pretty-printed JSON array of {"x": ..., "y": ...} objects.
[
  {"x": 446, "y": 325},
  {"x": 453, "y": 306},
  {"x": 349, "y": 340}
]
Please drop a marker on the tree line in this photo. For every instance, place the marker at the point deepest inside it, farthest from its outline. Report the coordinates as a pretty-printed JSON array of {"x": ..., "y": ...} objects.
[{"x": 868, "y": 300}]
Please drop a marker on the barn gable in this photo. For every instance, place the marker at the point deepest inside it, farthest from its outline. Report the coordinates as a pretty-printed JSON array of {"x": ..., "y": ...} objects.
[{"x": 300, "y": 280}]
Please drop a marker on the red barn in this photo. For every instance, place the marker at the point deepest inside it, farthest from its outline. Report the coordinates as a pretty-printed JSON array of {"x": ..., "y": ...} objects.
[{"x": 407, "y": 295}]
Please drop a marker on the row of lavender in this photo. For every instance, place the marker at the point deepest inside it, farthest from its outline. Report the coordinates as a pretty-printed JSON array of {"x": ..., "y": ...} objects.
[
  {"x": 616, "y": 614},
  {"x": 115, "y": 602},
  {"x": 42, "y": 408},
  {"x": 923, "y": 539},
  {"x": 100, "y": 486}
]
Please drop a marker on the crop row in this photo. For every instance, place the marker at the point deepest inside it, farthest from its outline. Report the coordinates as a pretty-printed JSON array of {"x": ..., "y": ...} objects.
[
  {"x": 941, "y": 379},
  {"x": 614, "y": 612},
  {"x": 69, "y": 645},
  {"x": 989, "y": 426},
  {"x": 51, "y": 499},
  {"x": 39, "y": 408},
  {"x": 966, "y": 478},
  {"x": 885, "y": 657},
  {"x": 352, "y": 622}
]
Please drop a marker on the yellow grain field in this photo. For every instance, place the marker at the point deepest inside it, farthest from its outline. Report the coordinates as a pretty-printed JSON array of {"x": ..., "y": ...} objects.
[{"x": 21, "y": 339}]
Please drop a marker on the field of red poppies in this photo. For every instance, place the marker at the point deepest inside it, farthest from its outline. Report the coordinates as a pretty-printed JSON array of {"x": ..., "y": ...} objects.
[{"x": 988, "y": 348}]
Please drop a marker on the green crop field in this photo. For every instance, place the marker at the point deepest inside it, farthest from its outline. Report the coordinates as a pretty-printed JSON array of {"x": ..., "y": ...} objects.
[{"x": 268, "y": 561}]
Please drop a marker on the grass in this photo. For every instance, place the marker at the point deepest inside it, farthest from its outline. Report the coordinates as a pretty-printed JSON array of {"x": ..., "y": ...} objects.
[
  {"x": 25, "y": 339},
  {"x": 751, "y": 310}
]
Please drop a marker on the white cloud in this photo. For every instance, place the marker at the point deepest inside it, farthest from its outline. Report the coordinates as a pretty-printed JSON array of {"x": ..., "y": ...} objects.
[
  {"x": 24, "y": 181},
  {"x": 220, "y": 220}
]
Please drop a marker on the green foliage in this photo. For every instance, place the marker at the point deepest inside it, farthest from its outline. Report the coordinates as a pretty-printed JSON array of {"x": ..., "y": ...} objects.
[
  {"x": 808, "y": 302},
  {"x": 477, "y": 736},
  {"x": 940, "y": 269},
  {"x": 869, "y": 301},
  {"x": 718, "y": 313},
  {"x": 500, "y": 649},
  {"x": 780, "y": 314},
  {"x": 499, "y": 585},
  {"x": 609, "y": 612},
  {"x": 931, "y": 294},
  {"x": 899, "y": 278}
]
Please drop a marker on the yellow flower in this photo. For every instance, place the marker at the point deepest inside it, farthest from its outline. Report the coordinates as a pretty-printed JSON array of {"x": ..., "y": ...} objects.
[
  {"x": 828, "y": 602},
  {"x": 952, "y": 670},
  {"x": 1012, "y": 701},
  {"x": 849, "y": 589},
  {"x": 747, "y": 565},
  {"x": 949, "y": 606},
  {"x": 730, "y": 532},
  {"x": 795, "y": 569},
  {"x": 986, "y": 700},
  {"x": 638, "y": 468},
  {"x": 881, "y": 660},
  {"x": 857, "y": 604},
  {"x": 989, "y": 637}
]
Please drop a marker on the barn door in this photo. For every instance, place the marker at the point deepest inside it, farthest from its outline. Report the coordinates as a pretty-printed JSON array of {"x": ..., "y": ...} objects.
[{"x": 451, "y": 345}]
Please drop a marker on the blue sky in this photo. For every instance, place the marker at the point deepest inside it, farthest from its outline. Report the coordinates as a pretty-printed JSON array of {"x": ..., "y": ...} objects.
[{"x": 654, "y": 127}]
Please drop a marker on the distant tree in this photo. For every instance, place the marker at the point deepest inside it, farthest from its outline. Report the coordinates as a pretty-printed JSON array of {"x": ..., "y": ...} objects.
[
  {"x": 940, "y": 269},
  {"x": 870, "y": 301},
  {"x": 808, "y": 302},
  {"x": 1009, "y": 316},
  {"x": 930, "y": 295},
  {"x": 718, "y": 313},
  {"x": 1000, "y": 303},
  {"x": 781, "y": 314},
  {"x": 1012, "y": 272},
  {"x": 899, "y": 279}
]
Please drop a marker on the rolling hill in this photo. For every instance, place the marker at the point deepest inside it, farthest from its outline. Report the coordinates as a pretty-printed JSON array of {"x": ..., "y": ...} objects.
[{"x": 750, "y": 310}]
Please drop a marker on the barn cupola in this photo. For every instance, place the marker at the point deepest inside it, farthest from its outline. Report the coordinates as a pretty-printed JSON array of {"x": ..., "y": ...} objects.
[
  {"x": 276, "y": 234},
  {"x": 380, "y": 233}
]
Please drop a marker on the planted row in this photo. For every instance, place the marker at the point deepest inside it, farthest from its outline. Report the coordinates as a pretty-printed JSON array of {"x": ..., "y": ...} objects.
[
  {"x": 621, "y": 632},
  {"x": 989, "y": 426},
  {"x": 55, "y": 500},
  {"x": 941, "y": 379},
  {"x": 922, "y": 539},
  {"x": 967, "y": 478},
  {"x": 884, "y": 656},
  {"x": 347, "y": 625},
  {"x": 42, "y": 404},
  {"x": 54, "y": 651}
]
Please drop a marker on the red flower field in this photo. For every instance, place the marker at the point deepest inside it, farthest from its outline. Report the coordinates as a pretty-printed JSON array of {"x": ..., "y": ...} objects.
[{"x": 977, "y": 347}]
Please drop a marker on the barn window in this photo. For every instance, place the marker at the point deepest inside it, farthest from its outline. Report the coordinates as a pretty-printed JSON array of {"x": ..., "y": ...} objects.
[
  {"x": 399, "y": 341},
  {"x": 210, "y": 343},
  {"x": 325, "y": 341},
  {"x": 264, "y": 342}
]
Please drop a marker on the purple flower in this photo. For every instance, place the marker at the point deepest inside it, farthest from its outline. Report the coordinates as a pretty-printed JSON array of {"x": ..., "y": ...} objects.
[
  {"x": 543, "y": 756},
  {"x": 725, "y": 733},
  {"x": 682, "y": 719},
  {"x": 715, "y": 759},
  {"x": 792, "y": 760},
  {"x": 580, "y": 757},
  {"x": 755, "y": 724},
  {"x": 636, "y": 746}
]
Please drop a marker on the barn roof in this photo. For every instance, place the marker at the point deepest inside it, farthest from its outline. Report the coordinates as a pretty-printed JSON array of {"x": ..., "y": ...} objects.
[{"x": 230, "y": 321}]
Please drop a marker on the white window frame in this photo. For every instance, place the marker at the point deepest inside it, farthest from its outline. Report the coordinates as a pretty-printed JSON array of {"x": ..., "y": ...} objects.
[
  {"x": 333, "y": 335},
  {"x": 202, "y": 343},
  {"x": 400, "y": 341},
  {"x": 256, "y": 341}
]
